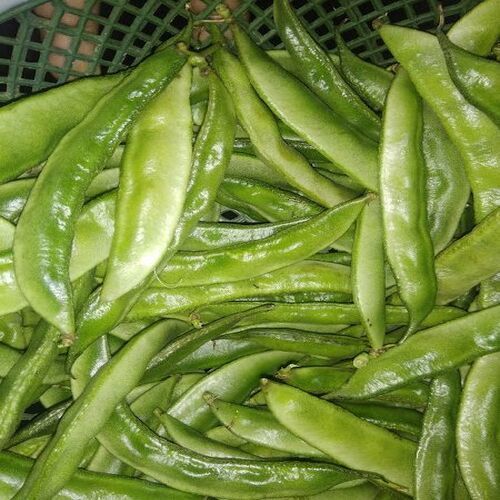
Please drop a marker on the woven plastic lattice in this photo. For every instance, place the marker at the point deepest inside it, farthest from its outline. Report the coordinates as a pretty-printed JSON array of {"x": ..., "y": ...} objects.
[{"x": 125, "y": 31}]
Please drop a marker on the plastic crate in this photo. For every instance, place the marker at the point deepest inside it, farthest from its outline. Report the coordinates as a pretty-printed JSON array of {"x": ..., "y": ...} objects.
[{"x": 129, "y": 29}]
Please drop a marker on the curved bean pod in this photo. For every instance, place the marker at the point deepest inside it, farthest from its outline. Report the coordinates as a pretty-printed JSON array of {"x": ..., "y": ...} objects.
[
  {"x": 190, "y": 438},
  {"x": 293, "y": 244},
  {"x": 306, "y": 276},
  {"x": 428, "y": 353},
  {"x": 476, "y": 137},
  {"x": 37, "y": 137},
  {"x": 476, "y": 78},
  {"x": 260, "y": 427},
  {"x": 90, "y": 412},
  {"x": 371, "y": 82},
  {"x": 14, "y": 469},
  {"x": 435, "y": 462},
  {"x": 477, "y": 429},
  {"x": 263, "y": 131},
  {"x": 315, "y": 68},
  {"x": 154, "y": 176},
  {"x": 42, "y": 245},
  {"x": 356, "y": 445},
  {"x": 402, "y": 192},
  {"x": 351, "y": 152},
  {"x": 479, "y": 249}
]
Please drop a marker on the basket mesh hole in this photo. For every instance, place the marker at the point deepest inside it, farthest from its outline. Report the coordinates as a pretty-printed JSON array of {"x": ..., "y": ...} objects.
[
  {"x": 139, "y": 43},
  {"x": 28, "y": 73},
  {"x": 421, "y": 7},
  {"x": 275, "y": 40},
  {"x": 126, "y": 18},
  {"x": 263, "y": 4},
  {"x": 108, "y": 54},
  {"x": 229, "y": 214},
  {"x": 5, "y": 50},
  {"x": 149, "y": 28},
  {"x": 161, "y": 12},
  {"x": 138, "y": 3},
  {"x": 365, "y": 8},
  {"x": 4, "y": 69},
  {"x": 117, "y": 35},
  {"x": 3, "y": 87},
  {"x": 321, "y": 30},
  {"x": 128, "y": 60},
  {"x": 329, "y": 44},
  {"x": 178, "y": 22},
  {"x": 32, "y": 55},
  {"x": 263, "y": 29},
  {"x": 310, "y": 16},
  {"x": 25, "y": 89}
]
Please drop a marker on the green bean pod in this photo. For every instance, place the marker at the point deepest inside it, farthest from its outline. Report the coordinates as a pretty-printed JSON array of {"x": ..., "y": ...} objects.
[
  {"x": 347, "y": 439},
  {"x": 447, "y": 187},
  {"x": 315, "y": 379},
  {"x": 406, "y": 421},
  {"x": 188, "y": 342},
  {"x": 211, "y": 154},
  {"x": 478, "y": 30},
  {"x": 319, "y": 317},
  {"x": 263, "y": 131},
  {"x": 153, "y": 181},
  {"x": 83, "y": 484},
  {"x": 476, "y": 137},
  {"x": 260, "y": 427},
  {"x": 428, "y": 353},
  {"x": 214, "y": 354},
  {"x": 212, "y": 235},
  {"x": 435, "y": 462},
  {"x": 477, "y": 429},
  {"x": 371, "y": 82},
  {"x": 264, "y": 202},
  {"x": 193, "y": 440},
  {"x": 236, "y": 478},
  {"x": 351, "y": 152},
  {"x": 36, "y": 137},
  {"x": 402, "y": 192},
  {"x": 232, "y": 382},
  {"x": 293, "y": 244},
  {"x": 306, "y": 276},
  {"x": 26, "y": 377},
  {"x": 42, "y": 425},
  {"x": 42, "y": 245},
  {"x": 315, "y": 68},
  {"x": 84, "y": 419},
  {"x": 12, "y": 331},
  {"x": 477, "y": 78},
  {"x": 336, "y": 347},
  {"x": 368, "y": 273},
  {"x": 479, "y": 249}
]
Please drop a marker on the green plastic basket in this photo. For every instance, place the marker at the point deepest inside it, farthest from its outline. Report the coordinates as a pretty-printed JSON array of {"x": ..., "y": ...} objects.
[{"x": 129, "y": 29}]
